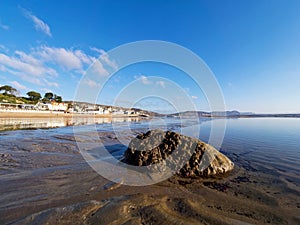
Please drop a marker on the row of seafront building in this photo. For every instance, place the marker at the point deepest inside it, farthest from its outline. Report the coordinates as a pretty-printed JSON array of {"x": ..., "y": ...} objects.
[
  {"x": 87, "y": 108},
  {"x": 39, "y": 107},
  {"x": 80, "y": 108}
]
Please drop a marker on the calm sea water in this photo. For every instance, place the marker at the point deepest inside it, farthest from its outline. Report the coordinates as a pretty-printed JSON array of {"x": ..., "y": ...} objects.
[{"x": 269, "y": 144}]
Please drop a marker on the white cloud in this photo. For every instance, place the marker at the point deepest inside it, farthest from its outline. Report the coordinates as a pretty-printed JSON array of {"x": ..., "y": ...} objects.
[
  {"x": 18, "y": 86},
  {"x": 71, "y": 60},
  {"x": 49, "y": 83},
  {"x": 63, "y": 57},
  {"x": 22, "y": 64},
  {"x": 90, "y": 82},
  {"x": 43, "y": 65},
  {"x": 104, "y": 57},
  {"x": 39, "y": 25},
  {"x": 97, "y": 50},
  {"x": 28, "y": 68},
  {"x": 98, "y": 69},
  {"x": 194, "y": 97},
  {"x": 143, "y": 79},
  {"x": 161, "y": 83},
  {"x": 28, "y": 58},
  {"x": 84, "y": 58}
]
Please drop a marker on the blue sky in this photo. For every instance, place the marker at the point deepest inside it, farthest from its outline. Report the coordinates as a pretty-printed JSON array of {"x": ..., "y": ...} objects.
[{"x": 252, "y": 47}]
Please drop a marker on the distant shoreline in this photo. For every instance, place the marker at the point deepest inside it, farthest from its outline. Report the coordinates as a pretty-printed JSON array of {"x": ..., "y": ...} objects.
[
  {"x": 259, "y": 116},
  {"x": 38, "y": 114},
  {"x": 239, "y": 116},
  {"x": 52, "y": 114}
]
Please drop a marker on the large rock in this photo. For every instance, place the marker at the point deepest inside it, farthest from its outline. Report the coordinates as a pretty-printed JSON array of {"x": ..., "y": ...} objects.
[{"x": 188, "y": 156}]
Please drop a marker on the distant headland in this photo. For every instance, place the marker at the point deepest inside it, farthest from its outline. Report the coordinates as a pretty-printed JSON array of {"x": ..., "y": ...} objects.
[{"x": 233, "y": 114}]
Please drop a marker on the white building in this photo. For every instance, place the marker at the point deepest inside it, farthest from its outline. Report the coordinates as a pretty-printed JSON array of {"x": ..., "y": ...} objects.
[
  {"x": 55, "y": 106},
  {"x": 106, "y": 111},
  {"x": 118, "y": 112},
  {"x": 97, "y": 110}
]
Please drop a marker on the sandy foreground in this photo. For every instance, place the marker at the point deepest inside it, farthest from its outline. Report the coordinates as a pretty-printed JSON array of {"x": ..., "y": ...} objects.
[{"x": 45, "y": 180}]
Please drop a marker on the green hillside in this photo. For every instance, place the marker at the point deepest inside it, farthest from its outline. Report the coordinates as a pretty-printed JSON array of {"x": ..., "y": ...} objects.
[{"x": 8, "y": 98}]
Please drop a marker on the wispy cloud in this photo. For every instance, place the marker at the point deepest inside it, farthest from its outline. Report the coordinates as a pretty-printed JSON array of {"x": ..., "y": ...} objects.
[
  {"x": 20, "y": 62},
  {"x": 71, "y": 60},
  {"x": 161, "y": 83},
  {"x": 18, "y": 86},
  {"x": 4, "y": 49},
  {"x": 98, "y": 69},
  {"x": 43, "y": 65},
  {"x": 29, "y": 68},
  {"x": 4, "y": 26},
  {"x": 67, "y": 59},
  {"x": 26, "y": 77},
  {"x": 143, "y": 79},
  {"x": 194, "y": 97},
  {"x": 50, "y": 84},
  {"x": 90, "y": 83},
  {"x": 100, "y": 51},
  {"x": 45, "y": 90},
  {"x": 39, "y": 24},
  {"x": 26, "y": 58},
  {"x": 105, "y": 57}
]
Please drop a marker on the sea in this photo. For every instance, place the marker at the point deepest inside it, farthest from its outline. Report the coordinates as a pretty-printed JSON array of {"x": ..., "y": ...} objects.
[{"x": 272, "y": 144}]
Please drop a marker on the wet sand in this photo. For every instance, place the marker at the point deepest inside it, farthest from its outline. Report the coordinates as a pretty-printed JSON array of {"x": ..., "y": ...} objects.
[{"x": 45, "y": 180}]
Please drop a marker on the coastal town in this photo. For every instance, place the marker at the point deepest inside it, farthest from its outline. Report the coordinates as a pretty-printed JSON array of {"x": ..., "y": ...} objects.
[
  {"x": 74, "y": 108},
  {"x": 51, "y": 103}
]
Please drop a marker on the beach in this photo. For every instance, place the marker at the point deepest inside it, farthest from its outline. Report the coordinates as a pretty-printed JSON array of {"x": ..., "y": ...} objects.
[{"x": 45, "y": 180}]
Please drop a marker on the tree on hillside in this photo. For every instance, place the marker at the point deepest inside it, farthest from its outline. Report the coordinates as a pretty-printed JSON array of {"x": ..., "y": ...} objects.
[
  {"x": 58, "y": 98},
  {"x": 48, "y": 96},
  {"x": 8, "y": 90},
  {"x": 34, "y": 96}
]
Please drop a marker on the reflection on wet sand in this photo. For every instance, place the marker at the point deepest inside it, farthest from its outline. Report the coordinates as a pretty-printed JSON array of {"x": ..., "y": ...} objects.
[{"x": 39, "y": 123}]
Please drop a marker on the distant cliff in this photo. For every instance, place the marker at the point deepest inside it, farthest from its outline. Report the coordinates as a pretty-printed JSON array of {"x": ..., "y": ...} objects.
[
  {"x": 208, "y": 114},
  {"x": 232, "y": 114}
]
